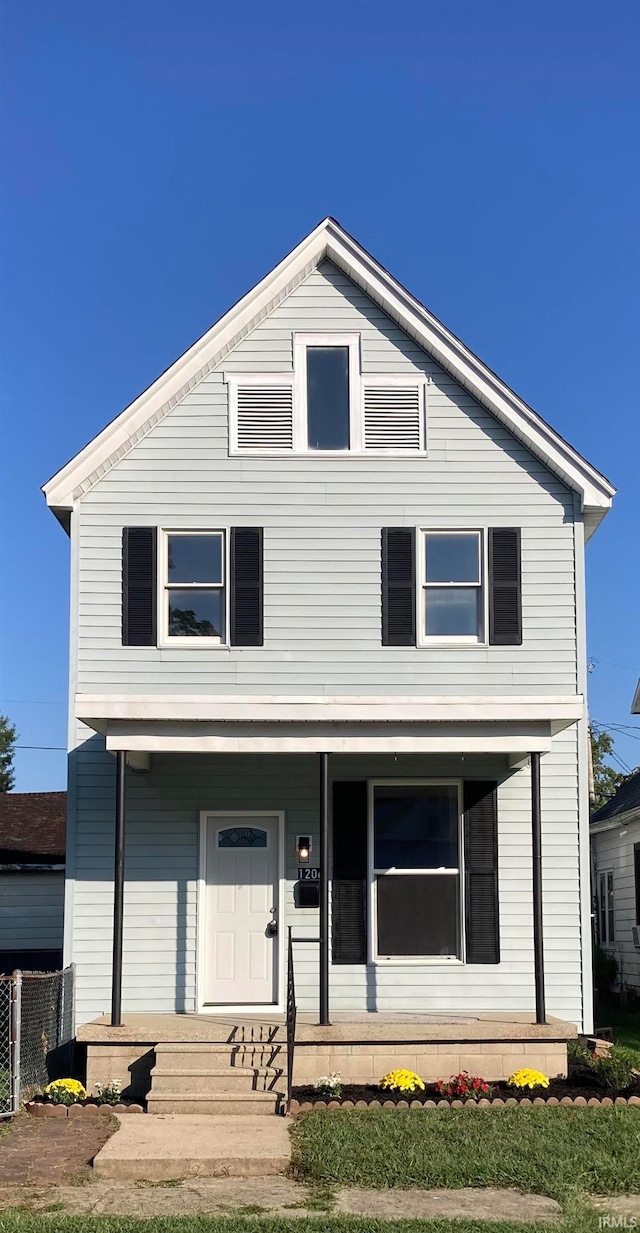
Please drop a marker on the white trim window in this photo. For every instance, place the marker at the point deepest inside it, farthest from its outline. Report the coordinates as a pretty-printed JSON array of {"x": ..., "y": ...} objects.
[
  {"x": 193, "y": 588},
  {"x": 327, "y": 392},
  {"x": 415, "y": 871},
  {"x": 606, "y": 908},
  {"x": 452, "y": 593},
  {"x": 326, "y": 406}
]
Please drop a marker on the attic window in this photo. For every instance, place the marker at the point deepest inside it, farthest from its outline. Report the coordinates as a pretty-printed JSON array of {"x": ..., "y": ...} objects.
[
  {"x": 327, "y": 405},
  {"x": 328, "y": 398}
]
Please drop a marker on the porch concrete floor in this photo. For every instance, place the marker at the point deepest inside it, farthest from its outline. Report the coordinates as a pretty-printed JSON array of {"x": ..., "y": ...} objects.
[{"x": 187, "y": 1028}]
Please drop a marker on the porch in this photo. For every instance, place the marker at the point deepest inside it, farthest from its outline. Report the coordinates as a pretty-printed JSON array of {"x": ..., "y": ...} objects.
[
  {"x": 361, "y": 1047},
  {"x": 431, "y": 847}
]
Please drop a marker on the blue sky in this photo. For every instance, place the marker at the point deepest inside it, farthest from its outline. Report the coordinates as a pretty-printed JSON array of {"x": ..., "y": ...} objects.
[{"x": 159, "y": 158}]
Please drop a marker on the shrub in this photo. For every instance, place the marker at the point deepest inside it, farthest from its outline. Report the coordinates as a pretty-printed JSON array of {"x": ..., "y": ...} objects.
[
  {"x": 402, "y": 1081},
  {"x": 108, "y": 1093},
  {"x": 528, "y": 1078},
  {"x": 65, "y": 1091},
  {"x": 578, "y": 1054},
  {"x": 616, "y": 1070},
  {"x": 329, "y": 1085},
  {"x": 463, "y": 1085}
]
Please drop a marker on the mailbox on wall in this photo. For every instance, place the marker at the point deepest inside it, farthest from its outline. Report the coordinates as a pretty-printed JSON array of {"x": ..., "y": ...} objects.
[{"x": 306, "y": 893}]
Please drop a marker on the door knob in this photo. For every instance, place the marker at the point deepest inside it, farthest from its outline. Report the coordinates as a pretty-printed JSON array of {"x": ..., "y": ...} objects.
[{"x": 272, "y": 929}]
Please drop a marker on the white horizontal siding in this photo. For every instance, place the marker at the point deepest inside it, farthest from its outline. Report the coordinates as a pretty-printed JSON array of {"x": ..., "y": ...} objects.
[
  {"x": 614, "y": 850},
  {"x": 161, "y": 871},
  {"x": 322, "y": 519}
]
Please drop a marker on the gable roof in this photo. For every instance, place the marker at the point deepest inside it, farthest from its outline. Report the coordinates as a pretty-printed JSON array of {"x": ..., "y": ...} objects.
[
  {"x": 624, "y": 800},
  {"x": 32, "y": 828},
  {"x": 329, "y": 241}
]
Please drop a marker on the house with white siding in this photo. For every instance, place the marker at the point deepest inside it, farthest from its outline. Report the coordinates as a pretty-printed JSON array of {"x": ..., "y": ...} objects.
[
  {"x": 328, "y": 752},
  {"x": 615, "y": 841}
]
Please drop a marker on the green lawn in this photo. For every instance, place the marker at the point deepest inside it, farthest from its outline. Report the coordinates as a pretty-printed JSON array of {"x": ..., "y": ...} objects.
[
  {"x": 562, "y": 1152},
  {"x": 580, "y": 1221}
]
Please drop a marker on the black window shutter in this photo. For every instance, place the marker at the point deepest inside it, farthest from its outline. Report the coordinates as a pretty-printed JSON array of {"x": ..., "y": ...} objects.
[
  {"x": 505, "y": 589},
  {"x": 349, "y": 884},
  {"x": 246, "y": 586},
  {"x": 482, "y": 922},
  {"x": 636, "y": 870},
  {"x": 139, "y": 598},
  {"x": 398, "y": 586}
]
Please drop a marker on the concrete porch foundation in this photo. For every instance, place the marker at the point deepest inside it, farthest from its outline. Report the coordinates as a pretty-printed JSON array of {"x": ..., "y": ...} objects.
[{"x": 360, "y": 1048}]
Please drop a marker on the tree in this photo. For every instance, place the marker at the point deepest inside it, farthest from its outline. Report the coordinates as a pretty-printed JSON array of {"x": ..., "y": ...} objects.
[
  {"x": 8, "y": 738},
  {"x": 606, "y": 780}
]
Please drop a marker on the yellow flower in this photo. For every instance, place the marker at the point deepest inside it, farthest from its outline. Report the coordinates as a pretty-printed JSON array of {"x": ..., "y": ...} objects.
[
  {"x": 65, "y": 1091},
  {"x": 402, "y": 1081},
  {"x": 528, "y": 1078}
]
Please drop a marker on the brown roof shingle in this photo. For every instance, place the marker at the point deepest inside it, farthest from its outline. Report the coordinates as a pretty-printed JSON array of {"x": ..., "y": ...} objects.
[{"x": 32, "y": 827}]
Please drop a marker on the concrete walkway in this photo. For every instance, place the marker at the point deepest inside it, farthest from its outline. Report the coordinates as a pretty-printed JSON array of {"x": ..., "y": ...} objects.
[
  {"x": 274, "y": 1196},
  {"x": 165, "y": 1147}
]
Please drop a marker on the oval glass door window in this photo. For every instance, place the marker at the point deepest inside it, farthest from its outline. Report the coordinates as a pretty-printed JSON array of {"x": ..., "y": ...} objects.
[{"x": 242, "y": 837}]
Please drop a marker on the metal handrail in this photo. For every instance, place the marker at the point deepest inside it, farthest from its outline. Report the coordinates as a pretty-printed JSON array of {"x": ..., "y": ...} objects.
[
  {"x": 291, "y": 1007},
  {"x": 291, "y": 1016}
]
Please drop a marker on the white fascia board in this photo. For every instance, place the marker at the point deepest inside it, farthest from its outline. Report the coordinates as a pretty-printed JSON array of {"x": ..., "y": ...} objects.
[
  {"x": 619, "y": 821},
  {"x": 563, "y": 711},
  {"x": 330, "y": 240},
  {"x": 504, "y": 739},
  {"x": 186, "y": 371},
  {"x": 635, "y": 705},
  {"x": 595, "y": 490}
]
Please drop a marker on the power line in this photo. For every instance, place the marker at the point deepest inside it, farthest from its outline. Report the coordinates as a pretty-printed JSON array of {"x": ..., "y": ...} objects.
[
  {"x": 594, "y": 660},
  {"x": 59, "y": 747}
]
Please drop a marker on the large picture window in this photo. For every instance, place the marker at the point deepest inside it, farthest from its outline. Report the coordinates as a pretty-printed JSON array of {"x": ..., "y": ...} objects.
[
  {"x": 194, "y": 586},
  {"x": 415, "y": 864}
]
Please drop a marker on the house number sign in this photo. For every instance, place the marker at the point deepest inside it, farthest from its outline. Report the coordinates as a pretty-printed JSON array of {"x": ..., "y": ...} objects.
[{"x": 308, "y": 873}]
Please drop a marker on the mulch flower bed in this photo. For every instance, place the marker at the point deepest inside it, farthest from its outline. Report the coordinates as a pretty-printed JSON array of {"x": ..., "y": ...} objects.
[
  {"x": 577, "y": 1090},
  {"x": 87, "y": 1108}
]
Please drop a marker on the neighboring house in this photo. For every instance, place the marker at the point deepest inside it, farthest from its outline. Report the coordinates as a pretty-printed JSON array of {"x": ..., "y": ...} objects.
[
  {"x": 615, "y": 841},
  {"x": 329, "y": 616},
  {"x": 32, "y": 855}
]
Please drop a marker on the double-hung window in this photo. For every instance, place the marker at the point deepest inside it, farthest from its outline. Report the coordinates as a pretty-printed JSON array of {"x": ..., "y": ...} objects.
[
  {"x": 193, "y": 591},
  {"x": 606, "y": 911},
  {"x": 452, "y": 591},
  {"x": 415, "y": 865}
]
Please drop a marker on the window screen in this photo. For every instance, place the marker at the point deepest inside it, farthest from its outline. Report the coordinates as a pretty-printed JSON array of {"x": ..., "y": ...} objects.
[{"x": 418, "y": 915}]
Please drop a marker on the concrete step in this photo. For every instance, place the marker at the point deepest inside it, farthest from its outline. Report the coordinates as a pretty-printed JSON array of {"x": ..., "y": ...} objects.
[
  {"x": 237, "y": 1034},
  {"x": 173, "y": 1147},
  {"x": 220, "y": 1104},
  {"x": 219, "y": 1054},
  {"x": 214, "y": 1079}
]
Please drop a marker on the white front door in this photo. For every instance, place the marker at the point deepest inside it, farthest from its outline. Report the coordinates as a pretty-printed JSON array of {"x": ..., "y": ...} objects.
[{"x": 241, "y": 909}]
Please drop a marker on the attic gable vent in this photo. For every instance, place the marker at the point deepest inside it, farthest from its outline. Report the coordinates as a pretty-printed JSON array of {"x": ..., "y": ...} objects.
[
  {"x": 394, "y": 417},
  {"x": 261, "y": 414}
]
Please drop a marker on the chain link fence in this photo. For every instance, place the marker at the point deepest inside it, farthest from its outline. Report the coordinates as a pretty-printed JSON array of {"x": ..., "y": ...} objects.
[
  {"x": 6, "y": 1051},
  {"x": 37, "y": 1024}
]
